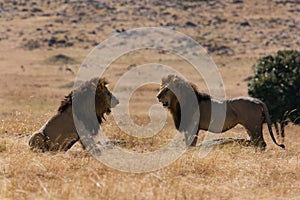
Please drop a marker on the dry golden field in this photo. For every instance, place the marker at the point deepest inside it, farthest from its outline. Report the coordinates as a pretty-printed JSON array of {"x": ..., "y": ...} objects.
[{"x": 32, "y": 84}]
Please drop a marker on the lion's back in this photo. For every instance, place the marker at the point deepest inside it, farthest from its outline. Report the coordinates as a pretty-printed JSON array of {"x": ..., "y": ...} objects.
[{"x": 246, "y": 108}]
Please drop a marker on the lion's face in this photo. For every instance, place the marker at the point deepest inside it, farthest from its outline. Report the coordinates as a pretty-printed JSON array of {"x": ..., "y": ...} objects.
[
  {"x": 166, "y": 95},
  {"x": 105, "y": 100}
]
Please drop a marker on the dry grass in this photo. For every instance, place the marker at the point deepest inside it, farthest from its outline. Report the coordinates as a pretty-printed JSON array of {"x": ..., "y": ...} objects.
[{"x": 230, "y": 172}]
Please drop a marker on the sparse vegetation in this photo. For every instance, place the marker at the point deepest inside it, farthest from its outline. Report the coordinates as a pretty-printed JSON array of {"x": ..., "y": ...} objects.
[
  {"x": 2, "y": 145},
  {"x": 31, "y": 44},
  {"x": 231, "y": 172},
  {"x": 60, "y": 59}
]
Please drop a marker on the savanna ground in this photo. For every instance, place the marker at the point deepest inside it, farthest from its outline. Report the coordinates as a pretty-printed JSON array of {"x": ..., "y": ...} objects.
[{"x": 34, "y": 80}]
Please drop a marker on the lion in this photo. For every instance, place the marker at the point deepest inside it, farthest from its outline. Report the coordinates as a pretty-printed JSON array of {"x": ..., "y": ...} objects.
[
  {"x": 59, "y": 133},
  {"x": 175, "y": 94}
]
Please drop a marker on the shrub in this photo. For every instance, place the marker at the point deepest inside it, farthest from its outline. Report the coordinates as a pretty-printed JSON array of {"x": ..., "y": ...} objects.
[{"x": 276, "y": 82}]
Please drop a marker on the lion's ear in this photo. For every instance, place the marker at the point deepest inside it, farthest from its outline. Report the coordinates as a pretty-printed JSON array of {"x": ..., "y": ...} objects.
[
  {"x": 175, "y": 78},
  {"x": 102, "y": 83},
  {"x": 181, "y": 84},
  {"x": 168, "y": 79},
  {"x": 177, "y": 81},
  {"x": 164, "y": 81},
  {"x": 172, "y": 77}
]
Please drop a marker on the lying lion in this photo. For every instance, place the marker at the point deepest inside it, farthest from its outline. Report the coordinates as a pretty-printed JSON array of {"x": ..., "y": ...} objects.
[
  {"x": 176, "y": 95},
  {"x": 59, "y": 133}
]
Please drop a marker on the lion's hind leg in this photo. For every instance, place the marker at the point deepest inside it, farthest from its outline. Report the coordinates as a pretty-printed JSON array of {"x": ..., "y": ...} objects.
[
  {"x": 256, "y": 137},
  {"x": 68, "y": 143}
]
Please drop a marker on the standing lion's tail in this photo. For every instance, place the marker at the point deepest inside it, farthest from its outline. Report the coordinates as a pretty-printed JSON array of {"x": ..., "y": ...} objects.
[{"x": 269, "y": 123}]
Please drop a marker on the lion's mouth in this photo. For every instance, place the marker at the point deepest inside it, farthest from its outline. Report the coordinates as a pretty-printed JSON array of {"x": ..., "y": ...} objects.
[
  {"x": 108, "y": 111},
  {"x": 114, "y": 103},
  {"x": 165, "y": 104}
]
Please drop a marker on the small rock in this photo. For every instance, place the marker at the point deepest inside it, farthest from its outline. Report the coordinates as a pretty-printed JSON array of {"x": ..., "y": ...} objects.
[
  {"x": 190, "y": 24},
  {"x": 245, "y": 24},
  {"x": 35, "y": 10}
]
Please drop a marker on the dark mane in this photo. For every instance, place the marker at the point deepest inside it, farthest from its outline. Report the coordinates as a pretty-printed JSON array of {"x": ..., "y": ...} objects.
[
  {"x": 87, "y": 86},
  {"x": 201, "y": 96},
  {"x": 65, "y": 103},
  {"x": 174, "y": 78}
]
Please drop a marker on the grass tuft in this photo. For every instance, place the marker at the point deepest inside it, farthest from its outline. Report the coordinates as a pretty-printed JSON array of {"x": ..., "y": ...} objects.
[{"x": 2, "y": 146}]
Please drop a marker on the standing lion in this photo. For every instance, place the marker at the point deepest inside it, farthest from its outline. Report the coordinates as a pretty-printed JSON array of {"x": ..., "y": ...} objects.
[
  {"x": 189, "y": 117},
  {"x": 60, "y": 133}
]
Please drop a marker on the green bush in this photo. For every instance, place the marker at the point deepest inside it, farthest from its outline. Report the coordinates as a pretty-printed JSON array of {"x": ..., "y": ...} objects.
[{"x": 276, "y": 82}]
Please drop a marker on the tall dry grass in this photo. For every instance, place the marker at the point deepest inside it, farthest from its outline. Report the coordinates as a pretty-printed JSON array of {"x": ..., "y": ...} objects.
[{"x": 230, "y": 172}]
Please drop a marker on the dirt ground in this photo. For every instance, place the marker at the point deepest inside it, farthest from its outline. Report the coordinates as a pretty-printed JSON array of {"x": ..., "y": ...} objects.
[{"x": 43, "y": 45}]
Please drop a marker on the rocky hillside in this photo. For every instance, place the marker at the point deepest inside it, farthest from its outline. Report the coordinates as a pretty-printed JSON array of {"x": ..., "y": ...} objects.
[{"x": 224, "y": 28}]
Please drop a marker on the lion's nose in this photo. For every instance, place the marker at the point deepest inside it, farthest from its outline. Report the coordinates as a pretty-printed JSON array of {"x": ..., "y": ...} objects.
[
  {"x": 159, "y": 96},
  {"x": 114, "y": 101},
  {"x": 117, "y": 101}
]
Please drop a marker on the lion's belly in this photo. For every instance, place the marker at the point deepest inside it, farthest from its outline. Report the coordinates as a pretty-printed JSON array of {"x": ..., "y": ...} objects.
[{"x": 216, "y": 126}]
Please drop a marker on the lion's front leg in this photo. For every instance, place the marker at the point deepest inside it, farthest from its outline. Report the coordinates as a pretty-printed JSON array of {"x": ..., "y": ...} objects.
[
  {"x": 89, "y": 144},
  {"x": 38, "y": 142},
  {"x": 193, "y": 144},
  {"x": 190, "y": 138}
]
